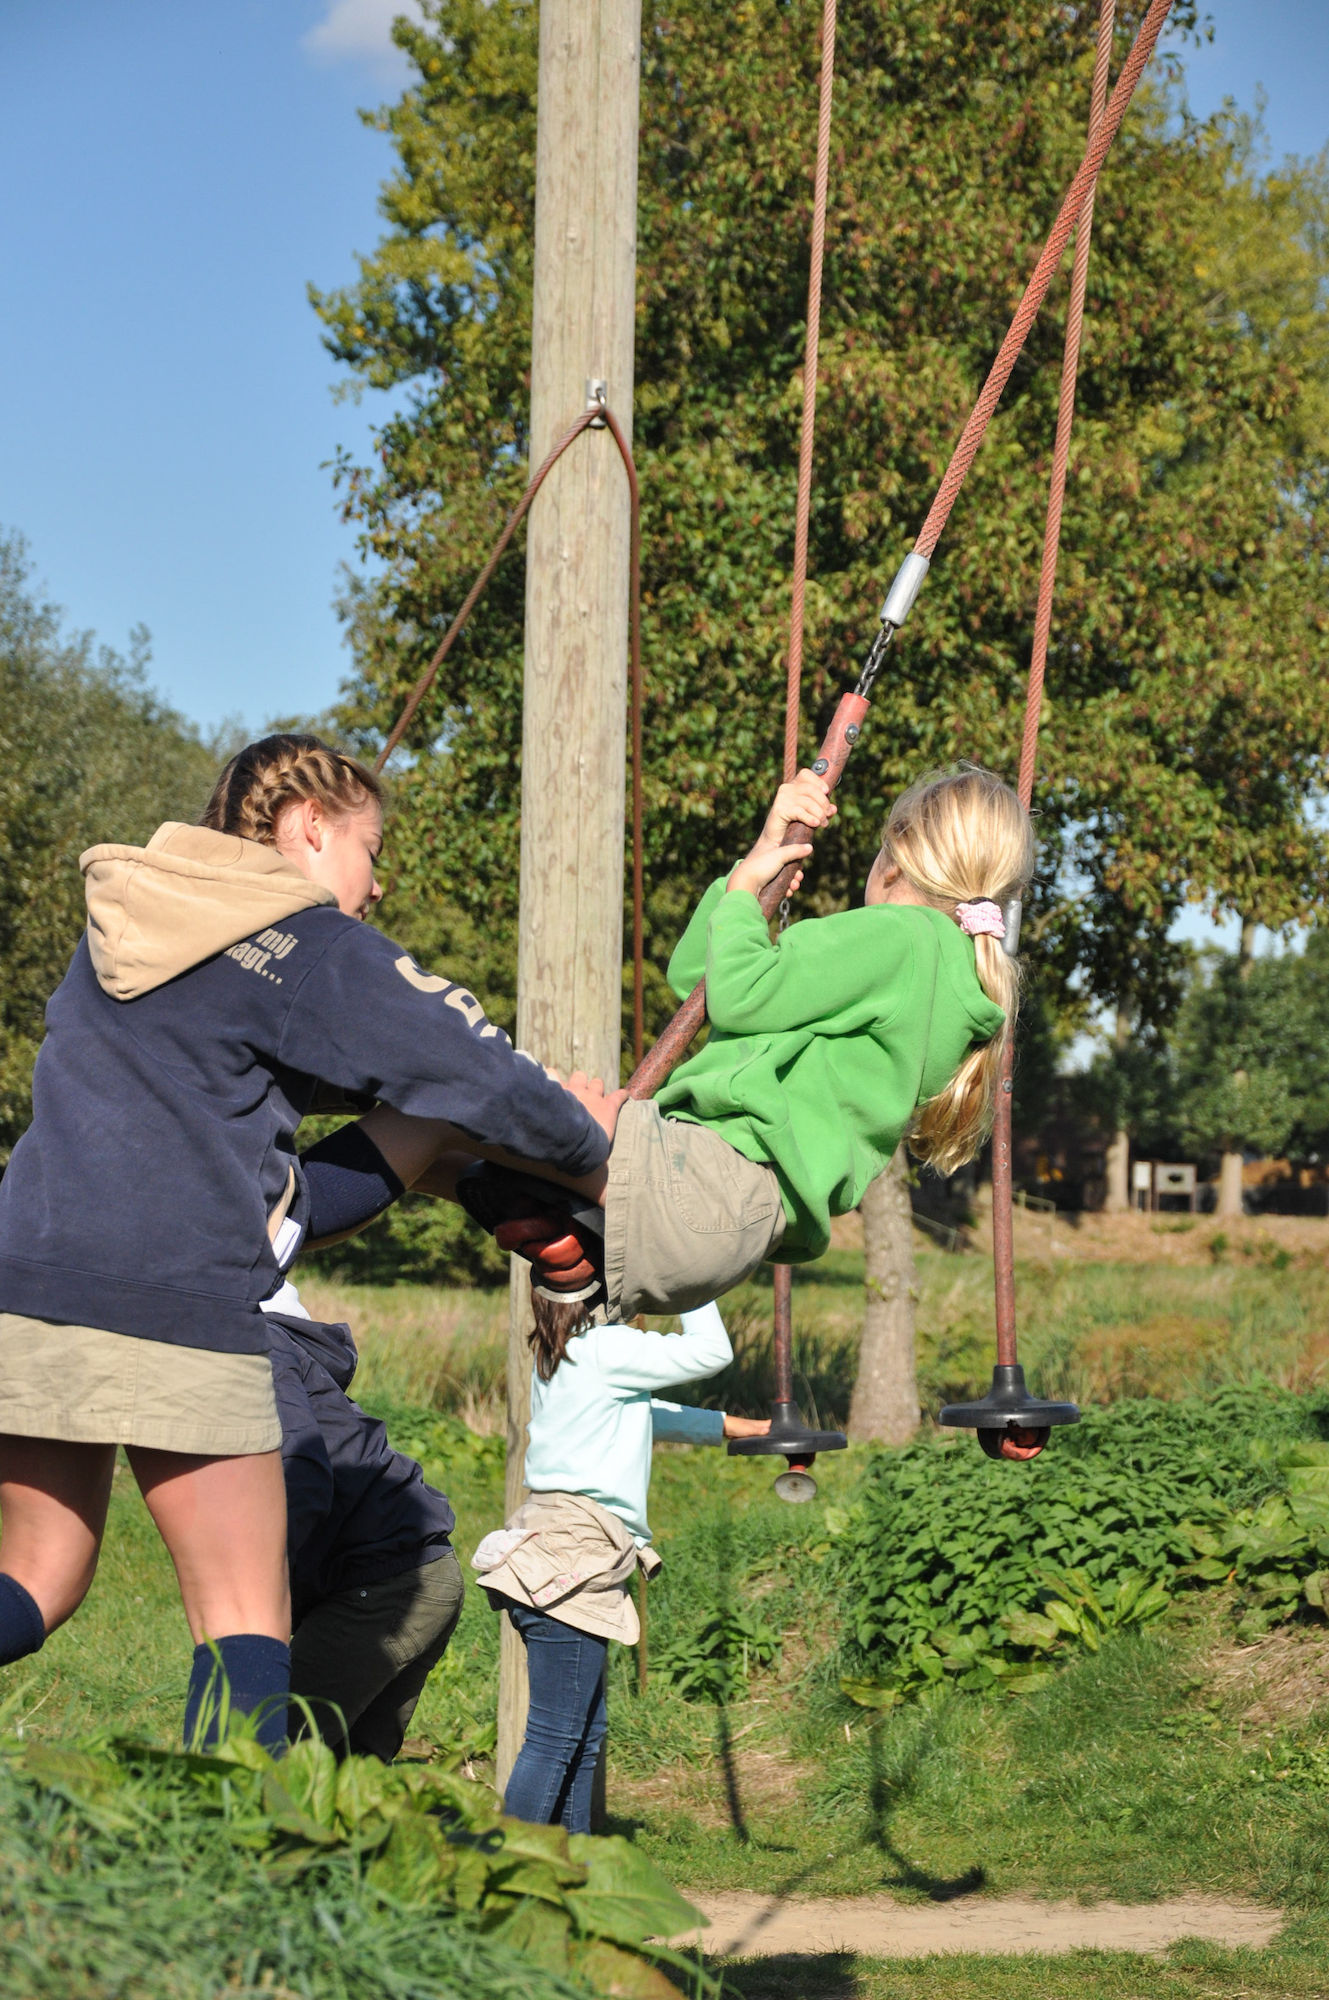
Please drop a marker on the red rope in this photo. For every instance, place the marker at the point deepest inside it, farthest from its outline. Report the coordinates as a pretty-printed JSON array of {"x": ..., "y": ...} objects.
[
  {"x": 783, "y": 1277},
  {"x": 454, "y": 631},
  {"x": 803, "y": 503},
  {"x": 1036, "y": 290},
  {"x": 1070, "y": 364},
  {"x": 1003, "y": 1218}
]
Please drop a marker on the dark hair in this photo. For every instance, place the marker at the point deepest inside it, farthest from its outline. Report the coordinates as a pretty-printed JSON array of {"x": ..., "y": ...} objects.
[
  {"x": 284, "y": 770},
  {"x": 556, "y": 1323}
]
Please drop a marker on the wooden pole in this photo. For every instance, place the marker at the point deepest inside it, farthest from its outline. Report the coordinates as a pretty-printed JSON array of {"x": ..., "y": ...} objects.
[{"x": 570, "y": 940}]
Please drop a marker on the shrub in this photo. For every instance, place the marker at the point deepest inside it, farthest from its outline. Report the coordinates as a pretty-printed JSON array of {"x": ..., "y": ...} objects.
[{"x": 960, "y": 1568}]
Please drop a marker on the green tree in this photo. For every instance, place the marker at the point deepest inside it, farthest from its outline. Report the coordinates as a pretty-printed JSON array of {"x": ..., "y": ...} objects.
[
  {"x": 87, "y": 753},
  {"x": 1183, "y": 734},
  {"x": 1301, "y": 993},
  {"x": 1230, "y": 1055}
]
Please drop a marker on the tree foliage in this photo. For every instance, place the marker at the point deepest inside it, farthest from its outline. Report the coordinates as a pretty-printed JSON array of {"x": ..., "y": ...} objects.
[
  {"x": 1183, "y": 734},
  {"x": 1229, "y": 1061},
  {"x": 1244, "y": 1065},
  {"x": 87, "y": 753}
]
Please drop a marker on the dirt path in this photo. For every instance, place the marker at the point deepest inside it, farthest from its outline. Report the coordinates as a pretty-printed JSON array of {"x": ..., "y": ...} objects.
[{"x": 747, "y": 1926}]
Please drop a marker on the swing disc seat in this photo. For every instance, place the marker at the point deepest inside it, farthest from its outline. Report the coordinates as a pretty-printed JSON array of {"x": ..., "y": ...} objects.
[
  {"x": 1010, "y": 1422},
  {"x": 790, "y": 1438}
]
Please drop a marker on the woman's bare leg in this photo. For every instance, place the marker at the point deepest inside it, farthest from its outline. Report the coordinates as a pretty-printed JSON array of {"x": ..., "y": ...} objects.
[
  {"x": 224, "y": 1522},
  {"x": 53, "y": 1501}
]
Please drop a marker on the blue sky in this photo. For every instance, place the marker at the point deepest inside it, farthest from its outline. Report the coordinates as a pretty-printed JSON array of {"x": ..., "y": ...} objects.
[{"x": 176, "y": 174}]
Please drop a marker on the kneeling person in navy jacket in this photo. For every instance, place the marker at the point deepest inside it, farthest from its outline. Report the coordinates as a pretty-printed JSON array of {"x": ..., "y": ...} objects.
[{"x": 376, "y": 1591}]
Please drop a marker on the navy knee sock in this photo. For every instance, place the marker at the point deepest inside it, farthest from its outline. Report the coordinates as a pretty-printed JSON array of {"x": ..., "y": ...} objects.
[
  {"x": 22, "y": 1627},
  {"x": 256, "y": 1671}
]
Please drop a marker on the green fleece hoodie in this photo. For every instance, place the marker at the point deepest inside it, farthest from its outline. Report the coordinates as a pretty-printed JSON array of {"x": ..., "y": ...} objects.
[{"x": 823, "y": 1043}]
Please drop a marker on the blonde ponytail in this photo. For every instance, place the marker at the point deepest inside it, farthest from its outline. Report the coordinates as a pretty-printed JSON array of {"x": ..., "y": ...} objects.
[
  {"x": 963, "y": 836},
  {"x": 249, "y": 796}
]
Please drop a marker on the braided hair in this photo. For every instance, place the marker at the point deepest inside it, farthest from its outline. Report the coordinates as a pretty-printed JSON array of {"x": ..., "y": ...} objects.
[{"x": 265, "y": 777}]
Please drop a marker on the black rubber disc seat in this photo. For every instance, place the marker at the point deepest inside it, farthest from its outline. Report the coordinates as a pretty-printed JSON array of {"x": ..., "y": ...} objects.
[{"x": 1007, "y": 1409}]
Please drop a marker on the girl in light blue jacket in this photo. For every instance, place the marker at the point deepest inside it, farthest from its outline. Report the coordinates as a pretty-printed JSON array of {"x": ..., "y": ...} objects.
[{"x": 563, "y": 1566}]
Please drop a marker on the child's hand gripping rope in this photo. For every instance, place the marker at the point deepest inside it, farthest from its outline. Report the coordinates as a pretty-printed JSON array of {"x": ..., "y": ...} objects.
[
  {"x": 804, "y": 802},
  {"x": 563, "y": 1241}
]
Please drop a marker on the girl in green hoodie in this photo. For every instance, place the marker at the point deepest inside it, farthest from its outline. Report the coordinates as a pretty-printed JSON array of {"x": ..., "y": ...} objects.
[{"x": 829, "y": 1044}]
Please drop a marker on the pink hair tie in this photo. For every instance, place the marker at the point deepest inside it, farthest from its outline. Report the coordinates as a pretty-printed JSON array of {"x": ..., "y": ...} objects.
[{"x": 981, "y": 919}]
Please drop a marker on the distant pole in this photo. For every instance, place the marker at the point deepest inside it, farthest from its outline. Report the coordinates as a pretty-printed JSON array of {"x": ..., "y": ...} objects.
[{"x": 570, "y": 936}]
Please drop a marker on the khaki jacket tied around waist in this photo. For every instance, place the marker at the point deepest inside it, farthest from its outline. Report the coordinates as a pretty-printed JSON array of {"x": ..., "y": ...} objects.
[{"x": 574, "y": 1562}]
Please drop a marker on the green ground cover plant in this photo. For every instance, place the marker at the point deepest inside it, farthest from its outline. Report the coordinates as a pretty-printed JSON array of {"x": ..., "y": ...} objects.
[{"x": 958, "y": 1567}]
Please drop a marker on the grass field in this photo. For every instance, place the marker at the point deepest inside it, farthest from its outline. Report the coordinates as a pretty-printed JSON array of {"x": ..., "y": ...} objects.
[{"x": 1172, "y": 1760}]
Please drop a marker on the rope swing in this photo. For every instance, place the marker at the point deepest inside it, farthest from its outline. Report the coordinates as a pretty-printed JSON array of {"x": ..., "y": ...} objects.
[{"x": 1010, "y": 1423}]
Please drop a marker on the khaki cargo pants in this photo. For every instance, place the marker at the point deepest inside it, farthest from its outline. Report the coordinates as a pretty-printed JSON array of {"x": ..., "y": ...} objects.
[{"x": 686, "y": 1217}]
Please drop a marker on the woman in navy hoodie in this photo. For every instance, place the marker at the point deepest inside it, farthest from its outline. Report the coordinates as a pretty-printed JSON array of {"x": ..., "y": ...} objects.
[{"x": 148, "y": 1210}]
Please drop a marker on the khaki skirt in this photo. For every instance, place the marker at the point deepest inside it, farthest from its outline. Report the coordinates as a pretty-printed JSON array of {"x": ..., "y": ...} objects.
[{"x": 85, "y": 1385}]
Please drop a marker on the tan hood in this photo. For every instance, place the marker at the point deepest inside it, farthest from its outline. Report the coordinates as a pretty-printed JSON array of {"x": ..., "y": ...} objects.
[{"x": 155, "y": 911}]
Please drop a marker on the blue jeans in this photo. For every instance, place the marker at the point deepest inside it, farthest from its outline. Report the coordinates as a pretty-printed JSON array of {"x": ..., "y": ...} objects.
[{"x": 565, "y": 1723}]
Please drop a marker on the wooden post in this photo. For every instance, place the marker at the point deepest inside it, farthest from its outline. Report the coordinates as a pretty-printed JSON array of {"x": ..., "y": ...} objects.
[{"x": 570, "y": 943}]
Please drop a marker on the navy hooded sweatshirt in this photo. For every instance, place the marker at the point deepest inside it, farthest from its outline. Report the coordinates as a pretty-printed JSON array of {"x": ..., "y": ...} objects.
[
  {"x": 214, "y": 986},
  {"x": 356, "y": 1510}
]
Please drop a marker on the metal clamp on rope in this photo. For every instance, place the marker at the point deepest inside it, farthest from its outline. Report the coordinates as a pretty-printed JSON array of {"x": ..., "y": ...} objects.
[
  {"x": 900, "y": 597},
  {"x": 1012, "y": 916}
]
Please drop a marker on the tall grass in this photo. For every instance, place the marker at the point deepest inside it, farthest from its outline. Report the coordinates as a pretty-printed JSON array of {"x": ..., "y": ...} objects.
[
  {"x": 154, "y": 1902},
  {"x": 1091, "y": 1331},
  {"x": 424, "y": 1344}
]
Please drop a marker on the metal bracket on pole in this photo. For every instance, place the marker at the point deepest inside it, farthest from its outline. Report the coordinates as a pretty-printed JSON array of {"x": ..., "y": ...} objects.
[{"x": 597, "y": 395}]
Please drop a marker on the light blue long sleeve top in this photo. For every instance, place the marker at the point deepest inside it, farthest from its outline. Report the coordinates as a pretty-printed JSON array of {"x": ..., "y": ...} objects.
[{"x": 592, "y": 1426}]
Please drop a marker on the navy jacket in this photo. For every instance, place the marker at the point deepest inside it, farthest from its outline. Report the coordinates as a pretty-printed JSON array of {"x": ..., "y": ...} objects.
[
  {"x": 356, "y": 1510},
  {"x": 163, "y": 1125}
]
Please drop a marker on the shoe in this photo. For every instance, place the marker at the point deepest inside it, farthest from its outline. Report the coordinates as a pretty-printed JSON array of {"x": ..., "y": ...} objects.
[{"x": 559, "y": 1233}]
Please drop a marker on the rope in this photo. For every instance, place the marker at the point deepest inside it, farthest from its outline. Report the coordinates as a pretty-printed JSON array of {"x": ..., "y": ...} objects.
[
  {"x": 1003, "y": 1219},
  {"x": 803, "y": 503},
  {"x": 782, "y": 1276},
  {"x": 596, "y": 414},
  {"x": 1036, "y": 290},
  {"x": 673, "y": 1043},
  {"x": 1070, "y": 365}
]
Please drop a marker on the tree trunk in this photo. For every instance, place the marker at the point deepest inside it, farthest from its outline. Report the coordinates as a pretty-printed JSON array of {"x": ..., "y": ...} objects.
[
  {"x": 885, "y": 1401},
  {"x": 1118, "y": 1164},
  {"x": 1229, "y": 1185},
  {"x": 1246, "y": 948},
  {"x": 1229, "y": 1167},
  {"x": 1118, "y": 1161}
]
